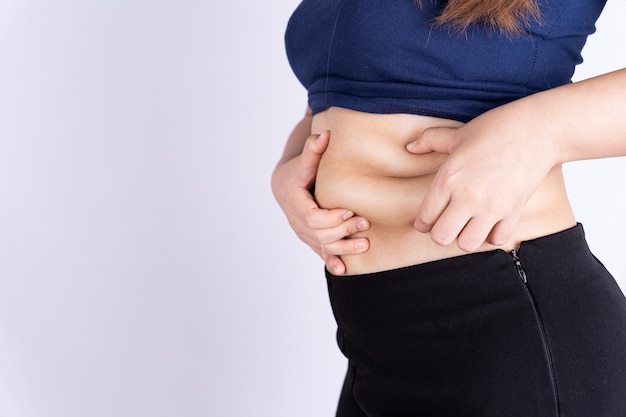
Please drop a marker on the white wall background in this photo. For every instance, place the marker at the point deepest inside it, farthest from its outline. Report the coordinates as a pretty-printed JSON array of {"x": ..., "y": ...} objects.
[{"x": 145, "y": 269}]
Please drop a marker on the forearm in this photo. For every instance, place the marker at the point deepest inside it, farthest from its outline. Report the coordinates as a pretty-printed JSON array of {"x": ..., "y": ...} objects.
[{"x": 584, "y": 120}]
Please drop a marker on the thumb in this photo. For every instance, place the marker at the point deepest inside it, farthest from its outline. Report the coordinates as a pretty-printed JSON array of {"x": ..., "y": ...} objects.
[
  {"x": 434, "y": 139},
  {"x": 313, "y": 149},
  {"x": 309, "y": 160}
]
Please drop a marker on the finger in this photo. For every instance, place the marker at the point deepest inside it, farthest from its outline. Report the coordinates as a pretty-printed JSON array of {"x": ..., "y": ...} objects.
[
  {"x": 332, "y": 240},
  {"x": 332, "y": 227},
  {"x": 331, "y": 253},
  {"x": 435, "y": 202},
  {"x": 434, "y": 139},
  {"x": 322, "y": 218},
  {"x": 334, "y": 264},
  {"x": 335, "y": 237},
  {"x": 327, "y": 236},
  {"x": 314, "y": 147},
  {"x": 503, "y": 230},
  {"x": 449, "y": 225},
  {"x": 475, "y": 233},
  {"x": 346, "y": 247}
]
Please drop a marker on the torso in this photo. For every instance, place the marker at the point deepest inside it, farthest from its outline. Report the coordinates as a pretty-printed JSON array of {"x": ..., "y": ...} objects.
[{"x": 367, "y": 169}]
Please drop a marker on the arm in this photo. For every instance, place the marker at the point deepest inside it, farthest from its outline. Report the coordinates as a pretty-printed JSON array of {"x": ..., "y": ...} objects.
[
  {"x": 325, "y": 231},
  {"x": 498, "y": 160}
]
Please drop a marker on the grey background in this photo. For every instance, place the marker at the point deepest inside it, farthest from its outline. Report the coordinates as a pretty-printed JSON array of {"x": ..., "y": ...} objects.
[{"x": 145, "y": 269}]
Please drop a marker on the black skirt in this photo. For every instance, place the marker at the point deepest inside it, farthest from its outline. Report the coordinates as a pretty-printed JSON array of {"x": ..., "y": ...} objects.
[{"x": 540, "y": 332}]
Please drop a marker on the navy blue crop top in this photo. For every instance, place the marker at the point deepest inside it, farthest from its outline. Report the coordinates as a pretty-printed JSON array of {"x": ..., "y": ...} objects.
[{"x": 385, "y": 56}]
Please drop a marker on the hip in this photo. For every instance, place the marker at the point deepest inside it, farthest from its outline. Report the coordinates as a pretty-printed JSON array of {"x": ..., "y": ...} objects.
[{"x": 486, "y": 334}]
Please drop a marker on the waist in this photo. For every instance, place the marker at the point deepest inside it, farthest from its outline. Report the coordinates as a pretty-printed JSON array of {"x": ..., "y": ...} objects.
[{"x": 367, "y": 169}]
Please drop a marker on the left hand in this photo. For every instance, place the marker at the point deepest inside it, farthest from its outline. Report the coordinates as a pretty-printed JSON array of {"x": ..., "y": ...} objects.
[{"x": 497, "y": 161}]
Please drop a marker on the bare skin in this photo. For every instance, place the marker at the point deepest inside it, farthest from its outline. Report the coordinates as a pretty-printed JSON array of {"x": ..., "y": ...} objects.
[
  {"x": 428, "y": 188},
  {"x": 355, "y": 172}
]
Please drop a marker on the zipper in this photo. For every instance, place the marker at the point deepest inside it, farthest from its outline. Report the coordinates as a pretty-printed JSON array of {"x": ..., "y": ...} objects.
[
  {"x": 544, "y": 339},
  {"x": 518, "y": 266}
]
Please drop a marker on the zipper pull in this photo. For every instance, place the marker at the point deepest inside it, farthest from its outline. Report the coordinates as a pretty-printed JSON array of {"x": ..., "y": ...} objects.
[{"x": 518, "y": 266}]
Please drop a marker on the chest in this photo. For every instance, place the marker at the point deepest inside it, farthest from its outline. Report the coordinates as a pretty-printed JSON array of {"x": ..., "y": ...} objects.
[{"x": 383, "y": 40}]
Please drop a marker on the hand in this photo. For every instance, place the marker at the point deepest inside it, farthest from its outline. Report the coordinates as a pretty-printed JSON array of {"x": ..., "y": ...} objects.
[
  {"x": 497, "y": 161},
  {"x": 325, "y": 231}
]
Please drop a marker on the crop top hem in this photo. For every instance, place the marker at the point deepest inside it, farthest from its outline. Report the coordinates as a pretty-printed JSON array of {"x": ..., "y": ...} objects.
[
  {"x": 320, "y": 102},
  {"x": 385, "y": 56}
]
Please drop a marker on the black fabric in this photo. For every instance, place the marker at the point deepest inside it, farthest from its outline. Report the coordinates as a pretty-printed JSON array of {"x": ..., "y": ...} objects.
[{"x": 468, "y": 337}]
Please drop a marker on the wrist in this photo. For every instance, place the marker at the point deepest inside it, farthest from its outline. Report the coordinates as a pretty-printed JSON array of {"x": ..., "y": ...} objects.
[{"x": 538, "y": 127}]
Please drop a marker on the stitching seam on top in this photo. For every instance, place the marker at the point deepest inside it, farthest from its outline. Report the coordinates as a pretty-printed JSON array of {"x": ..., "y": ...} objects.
[
  {"x": 542, "y": 39},
  {"x": 330, "y": 47}
]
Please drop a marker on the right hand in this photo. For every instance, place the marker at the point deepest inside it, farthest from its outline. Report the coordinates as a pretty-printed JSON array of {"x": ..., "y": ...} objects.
[{"x": 325, "y": 231}]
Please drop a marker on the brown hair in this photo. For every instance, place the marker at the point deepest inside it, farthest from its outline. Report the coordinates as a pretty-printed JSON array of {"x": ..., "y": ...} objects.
[{"x": 508, "y": 16}]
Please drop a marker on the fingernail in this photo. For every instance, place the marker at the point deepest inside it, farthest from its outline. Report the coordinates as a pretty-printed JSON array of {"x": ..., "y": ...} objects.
[
  {"x": 325, "y": 132},
  {"x": 360, "y": 244},
  {"x": 337, "y": 270},
  {"x": 347, "y": 215},
  {"x": 362, "y": 225}
]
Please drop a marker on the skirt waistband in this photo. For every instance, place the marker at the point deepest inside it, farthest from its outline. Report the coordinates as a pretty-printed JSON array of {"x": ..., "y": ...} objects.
[
  {"x": 560, "y": 244},
  {"x": 380, "y": 303}
]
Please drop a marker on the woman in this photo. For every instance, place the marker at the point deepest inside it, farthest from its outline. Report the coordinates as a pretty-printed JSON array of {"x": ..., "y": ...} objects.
[{"x": 460, "y": 281}]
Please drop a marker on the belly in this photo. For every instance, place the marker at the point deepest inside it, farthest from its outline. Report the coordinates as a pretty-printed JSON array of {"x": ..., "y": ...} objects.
[{"x": 367, "y": 169}]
